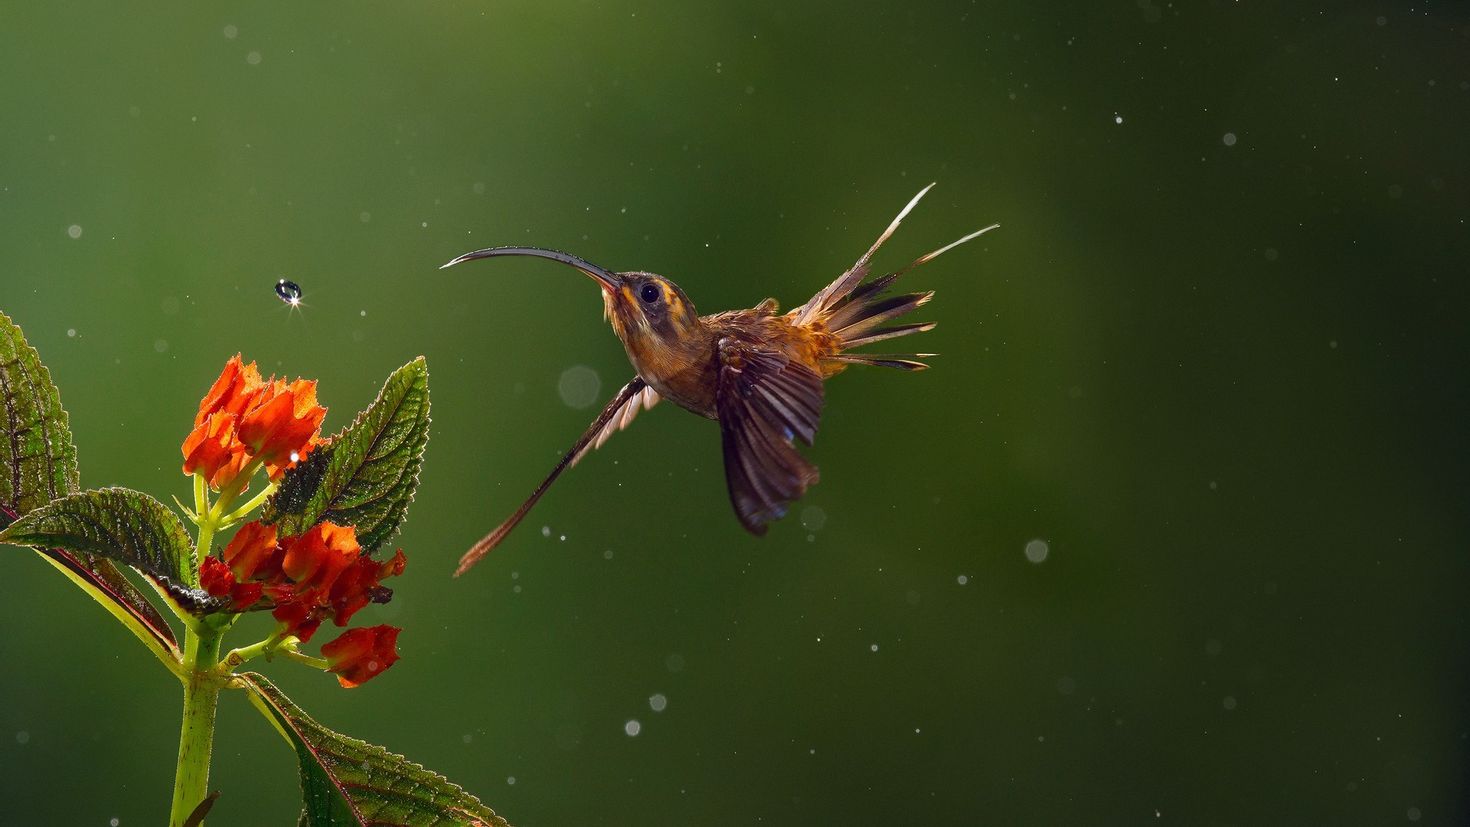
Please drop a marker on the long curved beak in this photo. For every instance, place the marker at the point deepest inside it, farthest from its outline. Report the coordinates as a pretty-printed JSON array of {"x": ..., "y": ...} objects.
[{"x": 608, "y": 280}]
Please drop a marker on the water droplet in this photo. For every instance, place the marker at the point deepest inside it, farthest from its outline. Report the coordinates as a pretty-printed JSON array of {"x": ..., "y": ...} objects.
[
  {"x": 1229, "y": 139},
  {"x": 71, "y": 333},
  {"x": 22, "y": 737},
  {"x": 813, "y": 518},
  {"x": 632, "y": 727},
  {"x": 1272, "y": 254},
  {"x": 1228, "y": 703},
  {"x": 962, "y": 579},
  {"x": 1117, "y": 119},
  {"x": 873, "y": 648},
  {"x": 288, "y": 292},
  {"x": 1037, "y": 550},
  {"x": 1413, "y": 814},
  {"x": 253, "y": 58},
  {"x": 511, "y": 780},
  {"x": 578, "y": 386},
  {"x": 657, "y": 702},
  {"x": 546, "y": 531},
  {"x": 160, "y": 345},
  {"x": 75, "y": 231}
]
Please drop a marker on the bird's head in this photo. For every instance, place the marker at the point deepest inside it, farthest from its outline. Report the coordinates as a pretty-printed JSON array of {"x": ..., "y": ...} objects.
[{"x": 646, "y": 310}]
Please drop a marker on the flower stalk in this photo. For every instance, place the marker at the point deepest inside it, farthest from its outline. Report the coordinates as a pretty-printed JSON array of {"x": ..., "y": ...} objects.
[{"x": 202, "y": 686}]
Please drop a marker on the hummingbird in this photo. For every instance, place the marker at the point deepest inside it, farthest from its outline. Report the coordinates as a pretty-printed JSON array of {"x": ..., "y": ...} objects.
[{"x": 756, "y": 372}]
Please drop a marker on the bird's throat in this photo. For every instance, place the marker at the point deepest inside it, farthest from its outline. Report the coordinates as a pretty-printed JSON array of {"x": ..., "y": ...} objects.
[{"x": 679, "y": 364}]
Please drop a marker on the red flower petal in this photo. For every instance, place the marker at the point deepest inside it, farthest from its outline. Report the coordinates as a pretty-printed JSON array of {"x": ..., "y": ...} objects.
[
  {"x": 315, "y": 559},
  {"x": 211, "y": 449},
  {"x": 253, "y": 553},
  {"x": 232, "y": 392},
  {"x": 358, "y": 655},
  {"x": 285, "y": 421},
  {"x": 298, "y": 616},
  {"x": 358, "y": 585},
  {"x": 215, "y": 577}
]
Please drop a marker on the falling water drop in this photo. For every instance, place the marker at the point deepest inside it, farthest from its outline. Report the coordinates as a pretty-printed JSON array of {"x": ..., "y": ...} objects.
[{"x": 288, "y": 292}]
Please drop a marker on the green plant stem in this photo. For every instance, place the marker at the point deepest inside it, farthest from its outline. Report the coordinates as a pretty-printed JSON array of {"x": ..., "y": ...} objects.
[
  {"x": 196, "y": 734},
  {"x": 232, "y": 661},
  {"x": 255, "y": 502},
  {"x": 292, "y": 653},
  {"x": 231, "y": 492},
  {"x": 207, "y": 526},
  {"x": 201, "y": 496}
]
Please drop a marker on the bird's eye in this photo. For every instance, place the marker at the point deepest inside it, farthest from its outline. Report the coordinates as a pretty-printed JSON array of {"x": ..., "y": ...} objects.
[{"x": 650, "y": 293}]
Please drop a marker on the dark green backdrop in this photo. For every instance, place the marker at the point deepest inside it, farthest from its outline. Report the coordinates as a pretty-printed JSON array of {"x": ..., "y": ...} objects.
[{"x": 1215, "y": 359}]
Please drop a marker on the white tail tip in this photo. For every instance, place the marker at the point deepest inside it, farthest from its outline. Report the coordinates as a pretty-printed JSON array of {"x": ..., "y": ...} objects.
[{"x": 928, "y": 257}]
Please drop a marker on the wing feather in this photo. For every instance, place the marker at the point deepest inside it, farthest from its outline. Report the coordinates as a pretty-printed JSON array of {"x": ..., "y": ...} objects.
[
  {"x": 621, "y": 418},
  {"x": 764, "y": 400},
  {"x": 618, "y": 412}
]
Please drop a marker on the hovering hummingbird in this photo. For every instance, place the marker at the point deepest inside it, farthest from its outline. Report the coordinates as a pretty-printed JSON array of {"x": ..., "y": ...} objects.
[{"x": 756, "y": 372}]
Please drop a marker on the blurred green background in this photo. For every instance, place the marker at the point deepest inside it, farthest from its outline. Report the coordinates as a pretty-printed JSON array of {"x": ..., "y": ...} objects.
[{"x": 1214, "y": 360}]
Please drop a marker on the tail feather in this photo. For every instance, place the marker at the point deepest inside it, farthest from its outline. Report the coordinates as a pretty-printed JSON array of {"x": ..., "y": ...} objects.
[
  {"x": 829, "y": 296},
  {"x": 873, "y": 288},
  {"x": 853, "y": 318},
  {"x": 901, "y": 361},
  {"x": 887, "y": 333},
  {"x": 855, "y": 310}
]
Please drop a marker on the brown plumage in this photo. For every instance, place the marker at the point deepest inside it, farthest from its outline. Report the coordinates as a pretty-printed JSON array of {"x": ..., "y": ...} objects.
[{"x": 757, "y": 373}]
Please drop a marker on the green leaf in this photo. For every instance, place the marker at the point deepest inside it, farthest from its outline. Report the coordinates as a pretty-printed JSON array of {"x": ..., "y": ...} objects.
[
  {"x": 36, "y": 453},
  {"x": 347, "y": 781},
  {"x": 38, "y": 463},
  {"x": 365, "y": 475},
  {"x": 118, "y": 523}
]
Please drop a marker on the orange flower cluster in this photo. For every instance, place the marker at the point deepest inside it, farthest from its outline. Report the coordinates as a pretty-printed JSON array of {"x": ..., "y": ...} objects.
[
  {"x": 244, "y": 418},
  {"x": 306, "y": 579}
]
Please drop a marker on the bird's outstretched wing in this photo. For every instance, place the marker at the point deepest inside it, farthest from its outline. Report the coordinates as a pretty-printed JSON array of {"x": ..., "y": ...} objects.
[
  {"x": 640, "y": 401},
  {"x": 634, "y": 396},
  {"x": 763, "y": 400}
]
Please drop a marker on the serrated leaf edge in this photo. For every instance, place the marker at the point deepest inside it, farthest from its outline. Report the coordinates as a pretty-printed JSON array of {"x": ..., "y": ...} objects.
[
  {"x": 190, "y": 560},
  {"x": 332, "y": 443},
  {"x": 264, "y": 695}
]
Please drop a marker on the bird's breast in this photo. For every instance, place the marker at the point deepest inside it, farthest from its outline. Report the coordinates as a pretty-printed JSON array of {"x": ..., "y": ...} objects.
[{"x": 685, "y": 378}]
